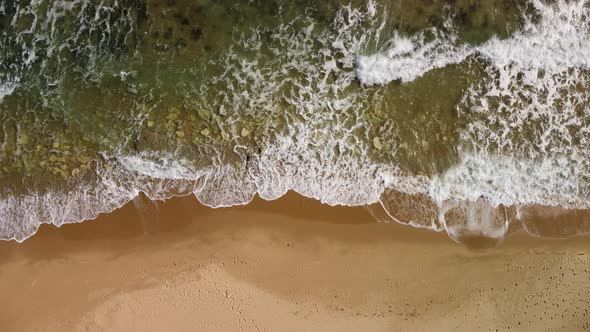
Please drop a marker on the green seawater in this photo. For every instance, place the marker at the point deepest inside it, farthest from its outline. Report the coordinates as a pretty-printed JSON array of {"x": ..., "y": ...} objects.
[{"x": 242, "y": 91}]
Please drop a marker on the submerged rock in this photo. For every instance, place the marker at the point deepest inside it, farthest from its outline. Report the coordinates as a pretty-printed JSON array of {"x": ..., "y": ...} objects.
[
  {"x": 245, "y": 132},
  {"x": 377, "y": 143}
]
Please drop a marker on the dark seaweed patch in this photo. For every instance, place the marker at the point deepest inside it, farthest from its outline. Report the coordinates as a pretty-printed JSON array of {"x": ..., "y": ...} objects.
[
  {"x": 168, "y": 33},
  {"x": 196, "y": 33}
]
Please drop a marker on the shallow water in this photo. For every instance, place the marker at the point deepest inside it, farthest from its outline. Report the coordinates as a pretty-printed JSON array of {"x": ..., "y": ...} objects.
[{"x": 454, "y": 116}]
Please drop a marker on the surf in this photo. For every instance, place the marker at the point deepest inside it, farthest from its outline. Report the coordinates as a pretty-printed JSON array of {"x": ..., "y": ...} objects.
[{"x": 313, "y": 100}]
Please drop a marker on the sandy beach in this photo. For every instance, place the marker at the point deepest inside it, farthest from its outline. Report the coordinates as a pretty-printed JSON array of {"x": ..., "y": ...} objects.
[{"x": 288, "y": 265}]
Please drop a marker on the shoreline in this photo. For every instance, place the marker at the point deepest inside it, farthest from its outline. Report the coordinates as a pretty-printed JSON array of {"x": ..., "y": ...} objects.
[
  {"x": 543, "y": 221},
  {"x": 291, "y": 264}
]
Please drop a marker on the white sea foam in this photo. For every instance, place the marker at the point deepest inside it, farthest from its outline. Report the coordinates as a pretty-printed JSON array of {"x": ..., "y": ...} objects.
[
  {"x": 23, "y": 214},
  {"x": 510, "y": 181},
  {"x": 160, "y": 167},
  {"x": 6, "y": 89},
  {"x": 409, "y": 58},
  {"x": 560, "y": 40}
]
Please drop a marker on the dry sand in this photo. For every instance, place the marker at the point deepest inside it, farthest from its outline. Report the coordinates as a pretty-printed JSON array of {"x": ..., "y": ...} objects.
[{"x": 288, "y": 265}]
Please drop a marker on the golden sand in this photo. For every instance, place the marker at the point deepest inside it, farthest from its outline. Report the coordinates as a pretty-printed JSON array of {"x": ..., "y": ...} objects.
[{"x": 287, "y": 265}]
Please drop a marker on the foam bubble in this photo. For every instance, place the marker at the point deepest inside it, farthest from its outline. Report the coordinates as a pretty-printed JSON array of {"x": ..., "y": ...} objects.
[{"x": 476, "y": 224}]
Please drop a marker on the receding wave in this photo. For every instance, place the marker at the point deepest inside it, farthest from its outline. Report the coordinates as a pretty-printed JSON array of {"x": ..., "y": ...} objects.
[{"x": 341, "y": 103}]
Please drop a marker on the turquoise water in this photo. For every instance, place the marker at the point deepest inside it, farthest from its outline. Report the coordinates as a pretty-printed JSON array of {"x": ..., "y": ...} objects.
[{"x": 469, "y": 118}]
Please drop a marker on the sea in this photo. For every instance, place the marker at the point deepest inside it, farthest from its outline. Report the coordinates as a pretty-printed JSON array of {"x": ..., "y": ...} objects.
[{"x": 465, "y": 117}]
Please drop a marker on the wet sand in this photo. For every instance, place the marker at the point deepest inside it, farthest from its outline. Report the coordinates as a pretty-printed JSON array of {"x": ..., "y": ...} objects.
[{"x": 288, "y": 265}]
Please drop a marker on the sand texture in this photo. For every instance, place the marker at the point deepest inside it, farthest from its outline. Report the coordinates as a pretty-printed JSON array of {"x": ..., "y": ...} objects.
[{"x": 288, "y": 265}]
